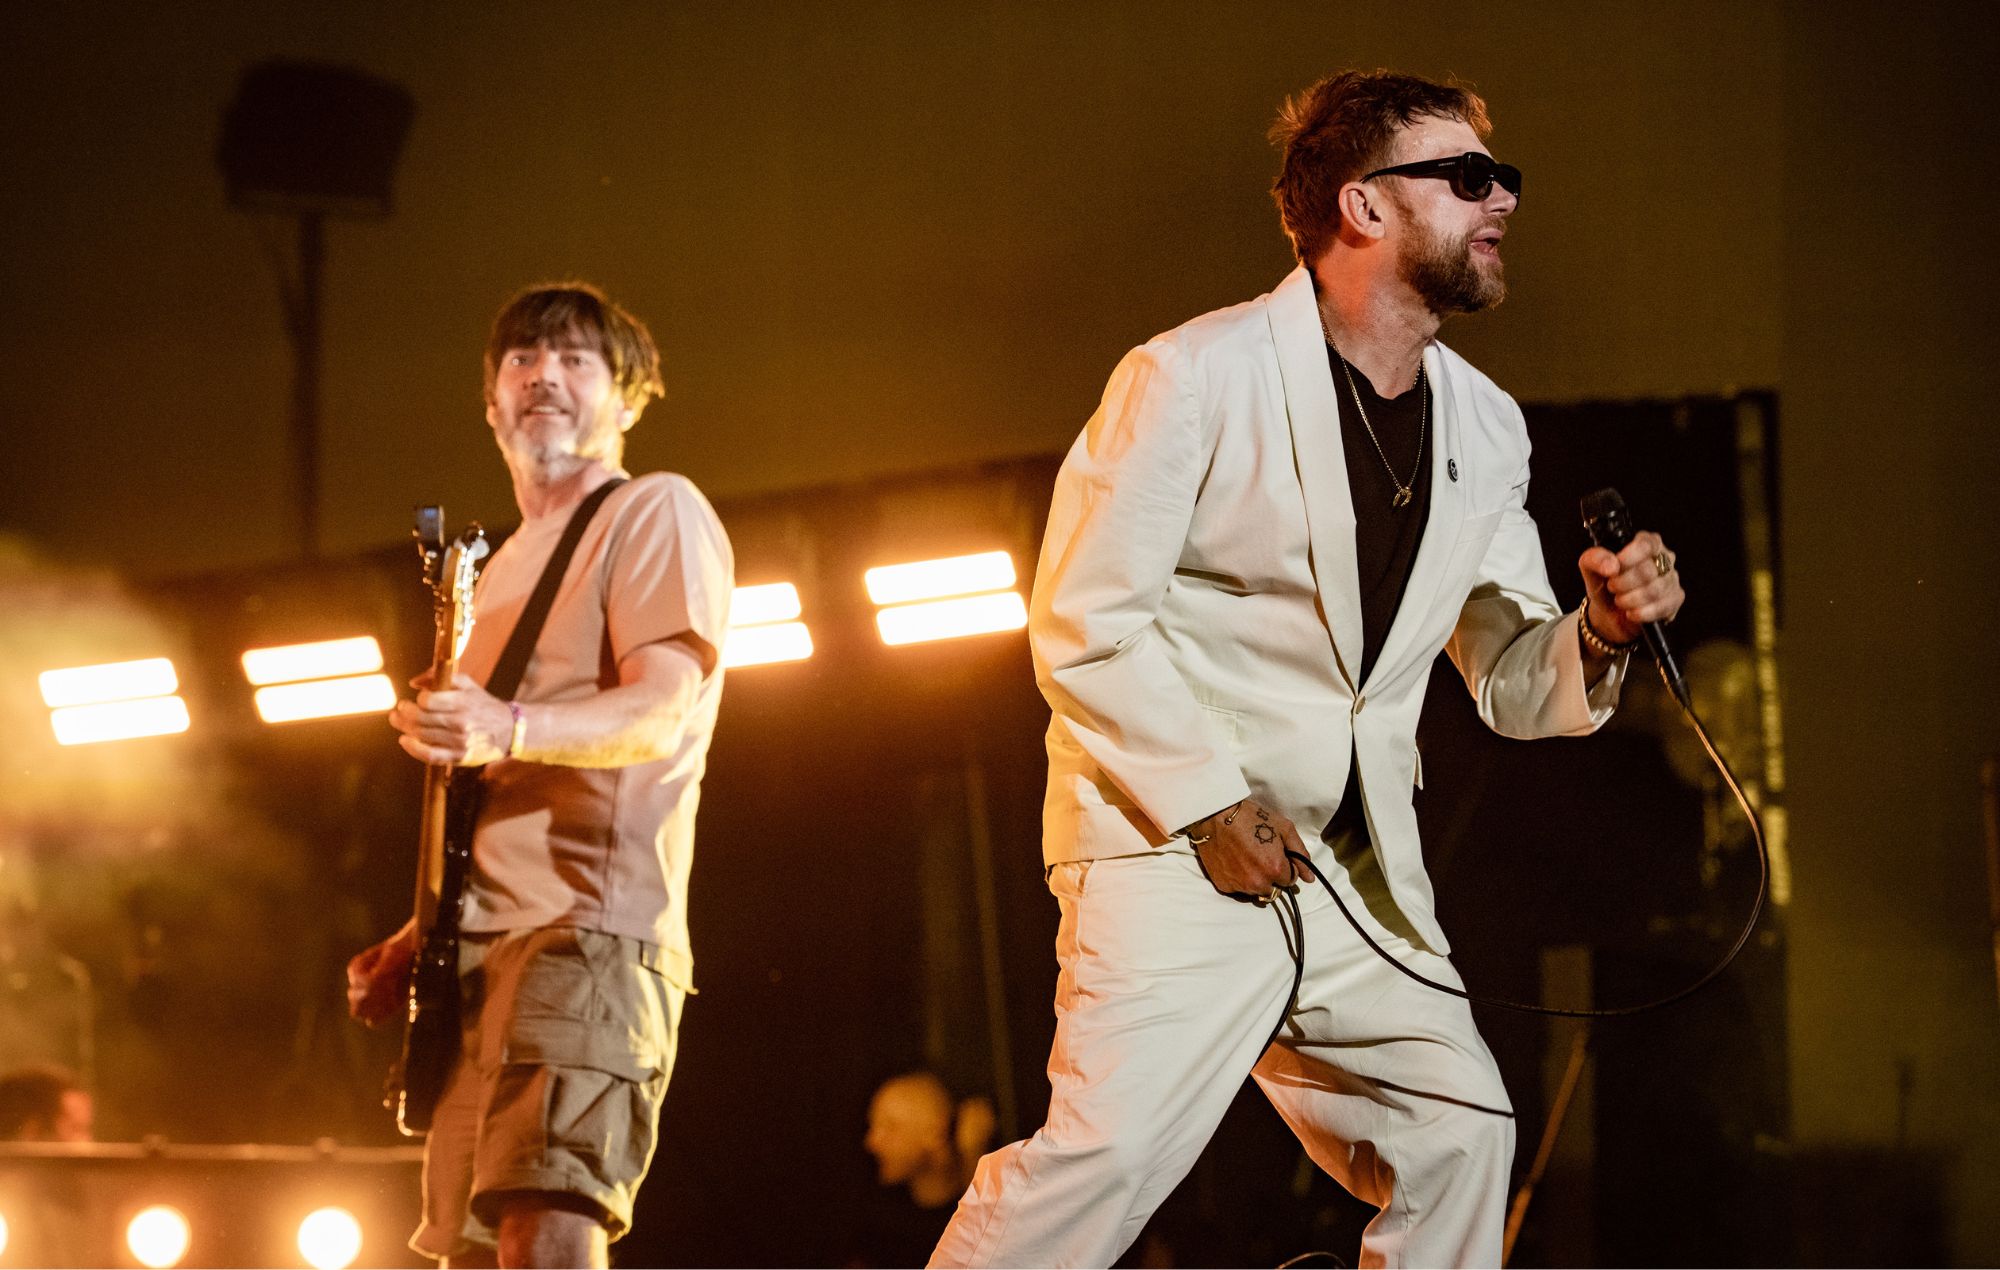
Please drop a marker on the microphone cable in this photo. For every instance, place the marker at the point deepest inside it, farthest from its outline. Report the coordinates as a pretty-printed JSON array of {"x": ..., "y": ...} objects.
[{"x": 1297, "y": 940}]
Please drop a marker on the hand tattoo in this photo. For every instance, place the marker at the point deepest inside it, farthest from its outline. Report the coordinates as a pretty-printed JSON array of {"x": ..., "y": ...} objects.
[{"x": 1266, "y": 834}]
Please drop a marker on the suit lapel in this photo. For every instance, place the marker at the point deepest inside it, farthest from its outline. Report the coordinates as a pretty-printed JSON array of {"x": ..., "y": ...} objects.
[
  {"x": 1314, "y": 414},
  {"x": 1448, "y": 404}
]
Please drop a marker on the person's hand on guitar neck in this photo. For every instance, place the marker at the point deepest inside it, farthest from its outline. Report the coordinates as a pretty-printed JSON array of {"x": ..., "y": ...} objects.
[
  {"x": 463, "y": 724},
  {"x": 378, "y": 978}
]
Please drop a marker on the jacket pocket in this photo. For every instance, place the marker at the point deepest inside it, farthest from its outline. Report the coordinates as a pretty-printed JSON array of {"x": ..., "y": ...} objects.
[{"x": 1229, "y": 721}]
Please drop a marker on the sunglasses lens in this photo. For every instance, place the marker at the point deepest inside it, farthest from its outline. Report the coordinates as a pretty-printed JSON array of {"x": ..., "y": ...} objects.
[
  {"x": 1475, "y": 174},
  {"x": 1473, "y": 177}
]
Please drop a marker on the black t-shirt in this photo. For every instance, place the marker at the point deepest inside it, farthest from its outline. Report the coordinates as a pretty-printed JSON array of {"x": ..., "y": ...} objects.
[
  {"x": 891, "y": 1231},
  {"x": 1386, "y": 537}
]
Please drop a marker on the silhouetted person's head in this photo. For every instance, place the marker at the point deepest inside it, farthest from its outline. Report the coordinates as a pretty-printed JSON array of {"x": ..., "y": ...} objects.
[{"x": 44, "y": 1104}]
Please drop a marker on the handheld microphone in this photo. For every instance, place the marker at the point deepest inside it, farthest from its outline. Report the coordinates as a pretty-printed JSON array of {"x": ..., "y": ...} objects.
[{"x": 1610, "y": 527}]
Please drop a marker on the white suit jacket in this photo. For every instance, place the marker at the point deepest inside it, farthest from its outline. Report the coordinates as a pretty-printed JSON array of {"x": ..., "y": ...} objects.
[{"x": 1196, "y": 622}]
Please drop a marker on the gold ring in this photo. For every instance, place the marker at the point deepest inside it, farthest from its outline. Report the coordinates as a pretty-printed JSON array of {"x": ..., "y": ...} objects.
[{"x": 1660, "y": 565}]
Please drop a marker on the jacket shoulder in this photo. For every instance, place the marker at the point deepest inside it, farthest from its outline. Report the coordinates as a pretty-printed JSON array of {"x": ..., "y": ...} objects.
[
  {"x": 1223, "y": 333},
  {"x": 1489, "y": 396}
]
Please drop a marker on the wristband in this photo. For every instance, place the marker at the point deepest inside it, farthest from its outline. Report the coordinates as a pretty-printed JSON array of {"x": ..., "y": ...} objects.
[{"x": 519, "y": 738}]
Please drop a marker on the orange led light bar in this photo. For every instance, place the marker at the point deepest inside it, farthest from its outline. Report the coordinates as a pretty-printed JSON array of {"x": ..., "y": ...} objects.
[
  {"x": 936, "y": 579},
  {"x": 113, "y": 681},
  {"x": 767, "y": 644},
  {"x": 763, "y": 626},
  {"x": 115, "y": 701},
  {"x": 119, "y": 720},
  {"x": 770, "y": 602},
  {"x": 326, "y": 698},
  {"x": 325, "y": 659},
  {"x": 949, "y": 619}
]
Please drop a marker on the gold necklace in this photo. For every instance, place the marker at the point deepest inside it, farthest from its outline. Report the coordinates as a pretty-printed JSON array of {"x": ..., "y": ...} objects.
[{"x": 1404, "y": 493}]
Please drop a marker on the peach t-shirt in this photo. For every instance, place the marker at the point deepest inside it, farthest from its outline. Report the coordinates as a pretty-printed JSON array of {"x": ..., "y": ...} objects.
[{"x": 605, "y": 849}]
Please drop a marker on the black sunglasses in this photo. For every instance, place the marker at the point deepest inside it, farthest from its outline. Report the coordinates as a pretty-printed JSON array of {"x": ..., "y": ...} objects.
[{"x": 1472, "y": 174}]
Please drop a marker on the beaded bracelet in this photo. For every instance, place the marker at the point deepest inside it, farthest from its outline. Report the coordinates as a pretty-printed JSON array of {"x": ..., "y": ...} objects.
[{"x": 1595, "y": 642}]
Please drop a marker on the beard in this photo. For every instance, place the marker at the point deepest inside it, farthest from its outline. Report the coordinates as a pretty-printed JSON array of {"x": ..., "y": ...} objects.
[
  {"x": 1444, "y": 274},
  {"x": 559, "y": 449}
]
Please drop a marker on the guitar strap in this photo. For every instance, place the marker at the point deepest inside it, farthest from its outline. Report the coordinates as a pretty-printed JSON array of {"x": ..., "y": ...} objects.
[{"x": 513, "y": 664}]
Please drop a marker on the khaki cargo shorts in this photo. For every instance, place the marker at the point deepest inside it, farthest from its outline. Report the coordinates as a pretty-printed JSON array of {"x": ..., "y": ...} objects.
[{"x": 567, "y": 1040}]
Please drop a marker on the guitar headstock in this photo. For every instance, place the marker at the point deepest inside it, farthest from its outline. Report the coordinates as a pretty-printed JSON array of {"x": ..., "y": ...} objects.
[
  {"x": 429, "y": 534},
  {"x": 460, "y": 573},
  {"x": 450, "y": 573}
]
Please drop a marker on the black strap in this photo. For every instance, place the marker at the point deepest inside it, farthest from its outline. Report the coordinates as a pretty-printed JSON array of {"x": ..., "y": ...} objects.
[{"x": 513, "y": 663}]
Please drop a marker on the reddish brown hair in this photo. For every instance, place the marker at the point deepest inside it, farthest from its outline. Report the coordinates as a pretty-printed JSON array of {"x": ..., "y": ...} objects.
[
  {"x": 577, "y": 313},
  {"x": 1345, "y": 126}
]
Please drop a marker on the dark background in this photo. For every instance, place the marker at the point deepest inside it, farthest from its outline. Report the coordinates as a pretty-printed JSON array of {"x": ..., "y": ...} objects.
[{"x": 884, "y": 239}]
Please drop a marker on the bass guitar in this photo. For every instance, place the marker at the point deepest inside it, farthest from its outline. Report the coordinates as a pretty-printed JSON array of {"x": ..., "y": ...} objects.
[{"x": 444, "y": 844}]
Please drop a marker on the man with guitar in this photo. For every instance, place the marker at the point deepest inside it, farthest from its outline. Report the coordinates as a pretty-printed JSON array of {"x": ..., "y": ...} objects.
[{"x": 572, "y": 951}]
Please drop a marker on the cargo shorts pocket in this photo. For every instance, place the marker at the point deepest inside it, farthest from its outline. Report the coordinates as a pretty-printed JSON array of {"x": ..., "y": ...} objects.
[
  {"x": 573, "y": 1107},
  {"x": 592, "y": 1044}
]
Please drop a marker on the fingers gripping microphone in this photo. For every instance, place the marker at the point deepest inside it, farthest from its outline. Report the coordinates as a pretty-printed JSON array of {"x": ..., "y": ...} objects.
[{"x": 1610, "y": 527}]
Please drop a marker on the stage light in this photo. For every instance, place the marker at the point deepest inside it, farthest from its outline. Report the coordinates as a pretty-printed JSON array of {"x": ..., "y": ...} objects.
[
  {"x": 330, "y": 1239},
  {"x": 770, "y": 602},
  {"x": 766, "y": 645},
  {"x": 115, "y": 681},
  {"x": 935, "y": 579},
  {"x": 116, "y": 701},
  {"x": 3, "y": 1234},
  {"x": 323, "y": 660},
  {"x": 158, "y": 1237},
  {"x": 326, "y": 698},
  {"x": 119, "y": 720},
  {"x": 763, "y": 628},
  {"x": 947, "y": 619}
]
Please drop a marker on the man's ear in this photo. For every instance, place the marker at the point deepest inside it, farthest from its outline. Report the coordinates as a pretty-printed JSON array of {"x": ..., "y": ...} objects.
[
  {"x": 492, "y": 413},
  {"x": 1360, "y": 211},
  {"x": 627, "y": 416}
]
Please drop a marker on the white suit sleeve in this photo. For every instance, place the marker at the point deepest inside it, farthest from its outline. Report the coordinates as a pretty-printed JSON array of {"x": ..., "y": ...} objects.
[
  {"x": 1518, "y": 652},
  {"x": 1117, "y": 528}
]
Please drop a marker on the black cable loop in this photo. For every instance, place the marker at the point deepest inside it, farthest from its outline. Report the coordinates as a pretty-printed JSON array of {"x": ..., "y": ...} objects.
[
  {"x": 1742, "y": 938},
  {"x": 1295, "y": 939}
]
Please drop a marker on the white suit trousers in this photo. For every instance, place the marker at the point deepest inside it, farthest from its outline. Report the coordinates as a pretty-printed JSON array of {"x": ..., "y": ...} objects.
[{"x": 1166, "y": 997}]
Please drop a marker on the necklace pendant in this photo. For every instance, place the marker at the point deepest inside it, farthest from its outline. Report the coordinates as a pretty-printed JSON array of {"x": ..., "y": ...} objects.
[{"x": 1403, "y": 496}]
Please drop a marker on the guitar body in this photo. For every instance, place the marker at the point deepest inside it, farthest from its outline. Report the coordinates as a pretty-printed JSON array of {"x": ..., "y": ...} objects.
[
  {"x": 444, "y": 855},
  {"x": 430, "y": 1041}
]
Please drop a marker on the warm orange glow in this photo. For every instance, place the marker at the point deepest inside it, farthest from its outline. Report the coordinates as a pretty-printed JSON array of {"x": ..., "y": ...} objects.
[
  {"x": 765, "y": 645},
  {"x": 322, "y": 660},
  {"x": 770, "y": 602},
  {"x": 158, "y": 1237},
  {"x": 330, "y": 1239},
  {"x": 113, "y": 681},
  {"x": 119, "y": 720},
  {"x": 935, "y": 579},
  {"x": 948, "y": 619},
  {"x": 326, "y": 698}
]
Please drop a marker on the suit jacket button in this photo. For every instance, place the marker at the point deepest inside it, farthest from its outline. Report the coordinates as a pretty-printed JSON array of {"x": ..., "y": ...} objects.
[{"x": 1360, "y": 702}]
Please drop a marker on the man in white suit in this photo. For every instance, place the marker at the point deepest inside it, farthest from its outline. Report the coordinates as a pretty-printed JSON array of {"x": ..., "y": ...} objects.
[{"x": 1278, "y": 516}]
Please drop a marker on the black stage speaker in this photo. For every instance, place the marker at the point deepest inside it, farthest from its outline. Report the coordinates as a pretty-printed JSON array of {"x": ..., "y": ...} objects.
[{"x": 302, "y": 136}]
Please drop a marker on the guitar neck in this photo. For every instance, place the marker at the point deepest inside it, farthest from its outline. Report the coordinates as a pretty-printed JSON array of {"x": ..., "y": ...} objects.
[{"x": 434, "y": 824}]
